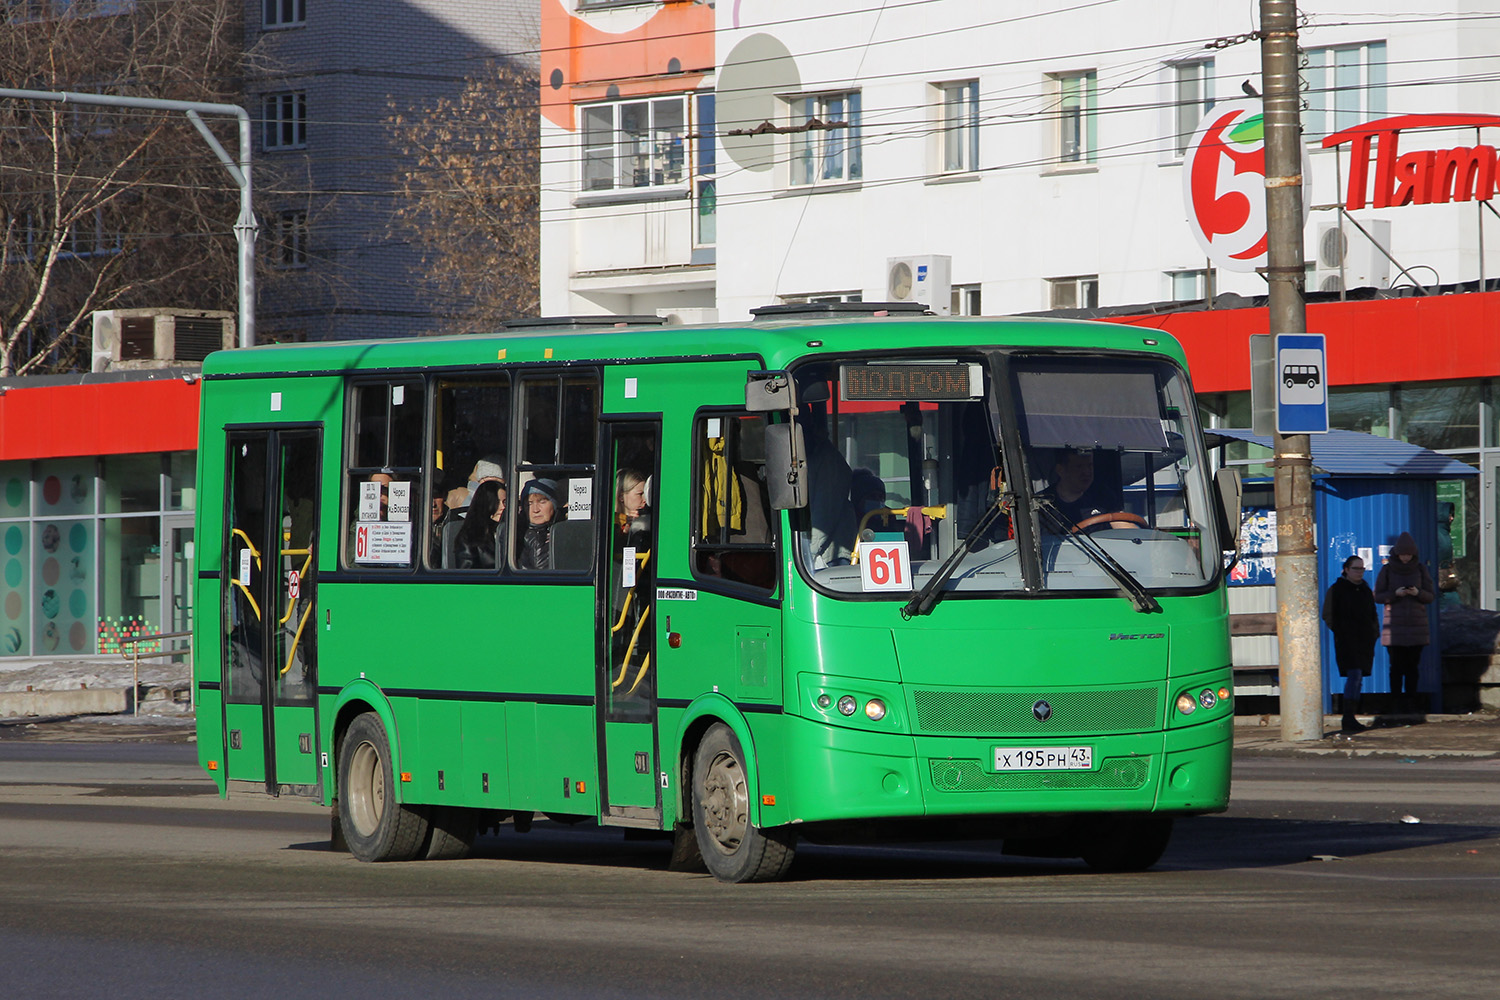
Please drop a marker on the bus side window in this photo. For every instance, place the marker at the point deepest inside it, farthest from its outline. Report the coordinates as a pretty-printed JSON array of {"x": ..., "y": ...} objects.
[
  {"x": 732, "y": 537},
  {"x": 551, "y": 523},
  {"x": 470, "y": 444},
  {"x": 384, "y": 495}
]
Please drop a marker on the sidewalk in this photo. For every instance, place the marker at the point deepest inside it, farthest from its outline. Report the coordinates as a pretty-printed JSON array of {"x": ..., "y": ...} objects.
[{"x": 1465, "y": 736}]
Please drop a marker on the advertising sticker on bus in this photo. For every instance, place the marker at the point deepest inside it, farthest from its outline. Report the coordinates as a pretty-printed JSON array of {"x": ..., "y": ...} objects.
[{"x": 884, "y": 566}]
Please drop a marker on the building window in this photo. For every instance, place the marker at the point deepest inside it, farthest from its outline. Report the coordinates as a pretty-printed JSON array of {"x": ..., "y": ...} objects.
[
  {"x": 1075, "y": 98},
  {"x": 826, "y": 150},
  {"x": 1192, "y": 97},
  {"x": 1189, "y": 286},
  {"x": 281, "y": 13},
  {"x": 1079, "y": 292},
  {"x": 1343, "y": 86},
  {"x": 290, "y": 248},
  {"x": 958, "y": 126},
  {"x": 634, "y": 144},
  {"x": 284, "y": 120},
  {"x": 965, "y": 301},
  {"x": 704, "y": 165},
  {"x": 821, "y": 298}
]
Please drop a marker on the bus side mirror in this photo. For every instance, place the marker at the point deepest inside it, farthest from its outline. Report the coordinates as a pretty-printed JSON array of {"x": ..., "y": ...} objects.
[
  {"x": 768, "y": 392},
  {"x": 1227, "y": 485},
  {"x": 786, "y": 466}
]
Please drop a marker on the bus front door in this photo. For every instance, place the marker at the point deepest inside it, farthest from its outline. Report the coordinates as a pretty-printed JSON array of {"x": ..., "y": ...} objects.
[
  {"x": 630, "y": 794},
  {"x": 270, "y": 598}
]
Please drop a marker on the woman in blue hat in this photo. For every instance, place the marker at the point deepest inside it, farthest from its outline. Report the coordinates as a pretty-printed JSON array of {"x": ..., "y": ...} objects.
[{"x": 539, "y": 502}]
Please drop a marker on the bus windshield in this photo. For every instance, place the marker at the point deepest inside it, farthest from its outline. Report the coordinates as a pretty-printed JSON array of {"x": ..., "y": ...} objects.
[{"x": 1095, "y": 463}]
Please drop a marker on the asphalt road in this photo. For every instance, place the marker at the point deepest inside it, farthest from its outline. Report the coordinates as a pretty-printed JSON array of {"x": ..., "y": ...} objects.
[{"x": 123, "y": 875}]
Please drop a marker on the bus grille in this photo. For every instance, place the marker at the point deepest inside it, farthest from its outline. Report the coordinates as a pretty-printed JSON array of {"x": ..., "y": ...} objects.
[
  {"x": 1113, "y": 773},
  {"x": 1008, "y": 713}
]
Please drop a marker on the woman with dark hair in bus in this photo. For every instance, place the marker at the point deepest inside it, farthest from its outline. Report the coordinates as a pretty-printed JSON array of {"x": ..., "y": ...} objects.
[
  {"x": 1405, "y": 588},
  {"x": 539, "y": 501},
  {"x": 484, "y": 526}
]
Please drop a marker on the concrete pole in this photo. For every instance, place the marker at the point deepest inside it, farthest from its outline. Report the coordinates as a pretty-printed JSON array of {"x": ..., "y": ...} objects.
[
  {"x": 245, "y": 228},
  {"x": 1296, "y": 559}
]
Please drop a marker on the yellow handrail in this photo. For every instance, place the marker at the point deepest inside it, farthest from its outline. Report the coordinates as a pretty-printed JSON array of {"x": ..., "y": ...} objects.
[
  {"x": 291, "y": 605},
  {"x": 248, "y": 544},
  {"x": 932, "y": 512}
]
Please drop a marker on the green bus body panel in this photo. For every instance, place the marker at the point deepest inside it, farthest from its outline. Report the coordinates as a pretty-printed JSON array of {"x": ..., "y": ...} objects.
[
  {"x": 627, "y": 785},
  {"x": 293, "y": 765},
  {"x": 209, "y": 709},
  {"x": 248, "y": 761},
  {"x": 493, "y": 685}
]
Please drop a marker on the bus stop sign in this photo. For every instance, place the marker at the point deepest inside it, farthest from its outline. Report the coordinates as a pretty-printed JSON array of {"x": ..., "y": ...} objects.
[{"x": 1302, "y": 384}]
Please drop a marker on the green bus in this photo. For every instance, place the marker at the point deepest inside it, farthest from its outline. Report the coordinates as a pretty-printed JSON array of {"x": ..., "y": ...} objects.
[{"x": 807, "y": 577}]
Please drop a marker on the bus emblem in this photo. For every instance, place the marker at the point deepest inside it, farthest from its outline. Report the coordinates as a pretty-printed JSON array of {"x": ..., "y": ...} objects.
[{"x": 1042, "y": 711}]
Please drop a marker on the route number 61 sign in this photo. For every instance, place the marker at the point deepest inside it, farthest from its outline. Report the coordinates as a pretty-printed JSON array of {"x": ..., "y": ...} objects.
[{"x": 884, "y": 566}]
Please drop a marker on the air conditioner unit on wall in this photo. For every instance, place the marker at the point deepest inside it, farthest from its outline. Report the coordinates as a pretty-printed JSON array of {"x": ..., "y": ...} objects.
[
  {"x": 1364, "y": 266},
  {"x": 158, "y": 338},
  {"x": 927, "y": 279}
]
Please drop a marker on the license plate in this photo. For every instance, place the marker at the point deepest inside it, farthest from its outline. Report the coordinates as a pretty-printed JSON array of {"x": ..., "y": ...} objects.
[{"x": 1044, "y": 758}]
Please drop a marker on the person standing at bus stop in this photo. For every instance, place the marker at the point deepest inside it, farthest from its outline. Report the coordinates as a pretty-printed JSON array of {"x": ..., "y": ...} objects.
[
  {"x": 1405, "y": 588},
  {"x": 1349, "y": 613}
]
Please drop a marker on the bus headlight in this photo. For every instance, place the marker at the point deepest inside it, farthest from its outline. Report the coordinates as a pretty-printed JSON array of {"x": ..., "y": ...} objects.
[
  {"x": 1207, "y": 698},
  {"x": 847, "y": 705},
  {"x": 1185, "y": 704},
  {"x": 875, "y": 709}
]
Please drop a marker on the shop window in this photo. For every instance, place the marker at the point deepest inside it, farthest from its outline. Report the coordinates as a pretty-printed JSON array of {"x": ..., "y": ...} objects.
[
  {"x": 732, "y": 536},
  {"x": 551, "y": 524},
  {"x": 1356, "y": 409},
  {"x": 384, "y": 474},
  {"x": 15, "y": 489},
  {"x": 130, "y": 586},
  {"x": 471, "y": 419},
  {"x": 1439, "y": 416},
  {"x": 132, "y": 483},
  {"x": 15, "y": 604},
  {"x": 182, "y": 470},
  {"x": 63, "y": 586}
]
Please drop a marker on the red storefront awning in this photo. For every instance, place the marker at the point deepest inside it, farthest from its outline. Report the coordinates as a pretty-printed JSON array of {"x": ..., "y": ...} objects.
[{"x": 99, "y": 418}]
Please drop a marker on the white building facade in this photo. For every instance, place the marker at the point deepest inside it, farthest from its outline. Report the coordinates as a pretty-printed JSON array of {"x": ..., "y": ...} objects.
[{"x": 702, "y": 161}]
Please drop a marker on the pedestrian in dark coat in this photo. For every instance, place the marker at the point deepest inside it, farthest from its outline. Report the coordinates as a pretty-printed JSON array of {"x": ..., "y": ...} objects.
[
  {"x": 1405, "y": 588},
  {"x": 1349, "y": 613}
]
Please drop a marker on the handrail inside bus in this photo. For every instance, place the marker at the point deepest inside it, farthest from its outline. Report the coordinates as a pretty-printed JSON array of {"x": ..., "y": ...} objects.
[
  {"x": 292, "y": 605},
  {"x": 932, "y": 512},
  {"x": 248, "y": 544},
  {"x": 297, "y": 639},
  {"x": 249, "y": 597}
]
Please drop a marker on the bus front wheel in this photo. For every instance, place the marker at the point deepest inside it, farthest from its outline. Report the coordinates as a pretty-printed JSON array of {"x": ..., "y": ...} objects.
[
  {"x": 1128, "y": 845},
  {"x": 733, "y": 848},
  {"x": 375, "y": 825}
]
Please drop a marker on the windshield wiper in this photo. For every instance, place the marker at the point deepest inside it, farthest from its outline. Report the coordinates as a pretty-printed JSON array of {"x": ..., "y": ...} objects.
[
  {"x": 1130, "y": 587},
  {"x": 924, "y": 600}
]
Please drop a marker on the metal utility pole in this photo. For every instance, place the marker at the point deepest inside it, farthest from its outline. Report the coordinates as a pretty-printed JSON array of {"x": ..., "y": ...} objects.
[
  {"x": 245, "y": 227},
  {"x": 1296, "y": 560}
]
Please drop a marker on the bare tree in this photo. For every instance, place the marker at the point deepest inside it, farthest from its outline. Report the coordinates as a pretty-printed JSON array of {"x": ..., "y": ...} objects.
[
  {"x": 102, "y": 207},
  {"x": 467, "y": 194}
]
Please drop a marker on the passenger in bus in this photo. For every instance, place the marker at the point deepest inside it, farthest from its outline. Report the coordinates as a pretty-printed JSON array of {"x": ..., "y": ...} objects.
[
  {"x": 539, "y": 501},
  {"x": 829, "y": 478},
  {"x": 483, "y": 528},
  {"x": 1075, "y": 493},
  {"x": 631, "y": 490},
  {"x": 487, "y": 468}
]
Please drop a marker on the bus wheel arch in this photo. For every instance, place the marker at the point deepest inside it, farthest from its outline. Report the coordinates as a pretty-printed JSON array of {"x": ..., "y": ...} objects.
[{"x": 732, "y": 845}]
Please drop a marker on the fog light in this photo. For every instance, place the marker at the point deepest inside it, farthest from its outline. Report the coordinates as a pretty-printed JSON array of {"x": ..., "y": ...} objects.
[
  {"x": 875, "y": 709},
  {"x": 1207, "y": 698},
  {"x": 847, "y": 705},
  {"x": 824, "y": 701},
  {"x": 1185, "y": 704}
]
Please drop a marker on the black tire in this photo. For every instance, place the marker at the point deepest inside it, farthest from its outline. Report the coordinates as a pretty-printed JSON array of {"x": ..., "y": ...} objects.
[
  {"x": 733, "y": 848},
  {"x": 1128, "y": 845},
  {"x": 375, "y": 825},
  {"x": 452, "y": 833},
  {"x": 1290, "y": 383}
]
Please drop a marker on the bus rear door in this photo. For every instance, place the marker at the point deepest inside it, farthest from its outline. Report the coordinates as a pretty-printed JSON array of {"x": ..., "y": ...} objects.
[
  {"x": 270, "y": 601},
  {"x": 630, "y": 794}
]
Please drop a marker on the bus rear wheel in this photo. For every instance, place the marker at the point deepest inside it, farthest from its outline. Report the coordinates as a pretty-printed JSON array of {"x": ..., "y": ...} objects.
[
  {"x": 733, "y": 848},
  {"x": 452, "y": 835},
  {"x": 375, "y": 825},
  {"x": 1128, "y": 845}
]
